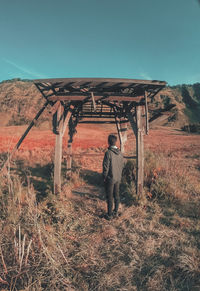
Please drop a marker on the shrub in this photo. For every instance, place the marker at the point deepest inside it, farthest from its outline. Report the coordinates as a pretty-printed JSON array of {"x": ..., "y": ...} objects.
[{"x": 192, "y": 127}]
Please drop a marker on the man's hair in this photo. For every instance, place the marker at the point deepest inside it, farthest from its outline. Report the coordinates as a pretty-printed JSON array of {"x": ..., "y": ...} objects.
[{"x": 112, "y": 139}]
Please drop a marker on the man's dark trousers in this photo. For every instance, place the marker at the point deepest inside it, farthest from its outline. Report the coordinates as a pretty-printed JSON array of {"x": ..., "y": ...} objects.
[{"x": 112, "y": 191}]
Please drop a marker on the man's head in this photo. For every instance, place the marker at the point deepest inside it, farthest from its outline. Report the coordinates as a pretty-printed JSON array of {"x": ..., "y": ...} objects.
[{"x": 112, "y": 140}]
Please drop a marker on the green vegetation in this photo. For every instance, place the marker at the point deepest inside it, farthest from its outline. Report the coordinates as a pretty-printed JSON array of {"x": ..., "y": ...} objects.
[
  {"x": 192, "y": 128},
  {"x": 63, "y": 243}
]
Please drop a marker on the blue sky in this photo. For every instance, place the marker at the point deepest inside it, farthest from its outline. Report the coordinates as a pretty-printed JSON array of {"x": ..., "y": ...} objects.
[{"x": 139, "y": 39}]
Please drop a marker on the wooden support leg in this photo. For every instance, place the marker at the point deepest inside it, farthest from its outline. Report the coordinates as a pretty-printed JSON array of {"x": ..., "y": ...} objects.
[
  {"x": 69, "y": 159},
  {"x": 58, "y": 124},
  {"x": 146, "y": 113},
  {"x": 72, "y": 130},
  {"x": 138, "y": 131},
  {"x": 123, "y": 130},
  {"x": 119, "y": 133},
  {"x": 139, "y": 152},
  {"x": 61, "y": 121},
  {"x": 132, "y": 123},
  {"x": 57, "y": 164}
]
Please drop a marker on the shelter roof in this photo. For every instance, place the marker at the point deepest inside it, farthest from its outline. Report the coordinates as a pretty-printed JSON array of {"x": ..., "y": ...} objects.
[{"x": 77, "y": 89}]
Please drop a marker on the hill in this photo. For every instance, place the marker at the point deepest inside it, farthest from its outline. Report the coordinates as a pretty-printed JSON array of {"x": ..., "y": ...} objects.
[
  {"x": 20, "y": 100},
  {"x": 19, "y": 103},
  {"x": 187, "y": 101}
]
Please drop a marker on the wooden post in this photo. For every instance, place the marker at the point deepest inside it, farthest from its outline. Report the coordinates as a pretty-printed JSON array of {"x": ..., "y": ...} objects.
[
  {"x": 62, "y": 122},
  {"x": 93, "y": 101},
  {"x": 137, "y": 127},
  {"x": 123, "y": 130},
  {"x": 139, "y": 152},
  {"x": 58, "y": 151},
  {"x": 69, "y": 158},
  {"x": 146, "y": 113},
  {"x": 57, "y": 164},
  {"x": 72, "y": 130},
  {"x": 119, "y": 134},
  {"x": 67, "y": 118},
  {"x": 132, "y": 122}
]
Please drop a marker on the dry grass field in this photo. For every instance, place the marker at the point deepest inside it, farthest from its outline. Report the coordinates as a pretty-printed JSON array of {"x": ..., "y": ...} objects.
[{"x": 63, "y": 242}]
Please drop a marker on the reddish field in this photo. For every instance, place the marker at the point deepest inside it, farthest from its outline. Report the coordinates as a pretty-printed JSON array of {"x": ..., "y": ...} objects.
[{"x": 91, "y": 140}]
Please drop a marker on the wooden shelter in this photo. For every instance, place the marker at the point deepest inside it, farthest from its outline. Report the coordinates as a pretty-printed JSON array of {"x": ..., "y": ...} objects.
[{"x": 95, "y": 100}]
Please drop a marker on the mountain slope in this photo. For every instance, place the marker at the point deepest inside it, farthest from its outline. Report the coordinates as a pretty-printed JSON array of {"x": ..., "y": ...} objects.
[{"x": 187, "y": 101}]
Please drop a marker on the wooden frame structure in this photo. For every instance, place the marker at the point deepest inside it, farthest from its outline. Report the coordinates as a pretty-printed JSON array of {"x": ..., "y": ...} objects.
[{"x": 75, "y": 100}]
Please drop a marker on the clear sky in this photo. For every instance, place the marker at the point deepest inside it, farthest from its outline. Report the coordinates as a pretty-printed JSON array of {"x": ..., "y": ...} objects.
[{"x": 139, "y": 39}]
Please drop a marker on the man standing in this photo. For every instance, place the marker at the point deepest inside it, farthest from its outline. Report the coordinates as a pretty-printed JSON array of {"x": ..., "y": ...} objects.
[{"x": 113, "y": 163}]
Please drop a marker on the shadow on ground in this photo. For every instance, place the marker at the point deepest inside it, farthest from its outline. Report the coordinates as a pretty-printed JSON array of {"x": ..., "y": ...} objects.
[
  {"x": 91, "y": 177},
  {"x": 88, "y": 193},
  {"x": 39, "y": 176},
  {"x": 95, "y": 179}
]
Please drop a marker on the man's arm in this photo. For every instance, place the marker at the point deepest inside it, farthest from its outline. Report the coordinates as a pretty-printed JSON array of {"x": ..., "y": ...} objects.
[{"x": 106, "y": 165}]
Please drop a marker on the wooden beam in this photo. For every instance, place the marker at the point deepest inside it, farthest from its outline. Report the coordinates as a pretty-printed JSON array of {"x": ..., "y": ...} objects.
[
  {"x": 97, "y": 81},
  {"x": 112, "y": 105},
  {"x": 101, "y": 116},
  {"x": 54, "y": 108},
  {"x": 42, "y": 92},
  {"x": 24, "y": 135},
  {"x": 121, "y": 97},
  {"x": 101, "y": 121},
  {"x": 67, "y": 118},
  {"x": 93, "y": 101}
]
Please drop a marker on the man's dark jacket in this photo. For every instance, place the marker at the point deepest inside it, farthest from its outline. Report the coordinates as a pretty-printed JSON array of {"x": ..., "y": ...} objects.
[{"x": 113, "y": 164}]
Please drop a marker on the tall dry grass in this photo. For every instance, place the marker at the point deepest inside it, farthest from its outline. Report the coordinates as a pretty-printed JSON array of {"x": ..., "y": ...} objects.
[{"x": 63, "y": 243}]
